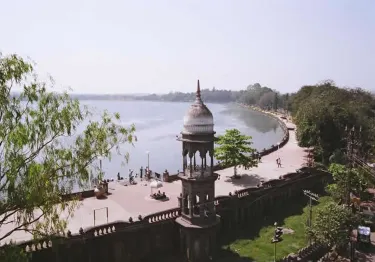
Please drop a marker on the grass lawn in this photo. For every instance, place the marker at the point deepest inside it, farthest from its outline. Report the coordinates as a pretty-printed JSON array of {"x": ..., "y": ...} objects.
[{"x": 260, "y": 249}]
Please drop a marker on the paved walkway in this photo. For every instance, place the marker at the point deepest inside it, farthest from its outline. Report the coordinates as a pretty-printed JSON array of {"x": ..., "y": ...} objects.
[
  {"x": 131, "y": 201},
  {"x": 292, "y": 157}
]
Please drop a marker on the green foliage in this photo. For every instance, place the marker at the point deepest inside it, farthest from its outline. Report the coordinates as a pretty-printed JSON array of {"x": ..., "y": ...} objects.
[
  {"x": 43, "y": 154},
  {"x": 332, "y": 224},
  {"x": 322, "y": 113},
  {"x": 334, "y": 220},
  {"x": 260, "y": 249},
  {"x": 348, "y": 180},
  {"x": 13, "y": 253},
  {"x": 235, "y": 149},
  {"x": 338, "y": 157},
  {"x": 254, "y": 95}
]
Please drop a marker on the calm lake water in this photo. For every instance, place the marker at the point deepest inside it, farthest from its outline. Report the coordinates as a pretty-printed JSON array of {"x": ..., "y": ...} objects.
[{"x": 158, "y": 123}]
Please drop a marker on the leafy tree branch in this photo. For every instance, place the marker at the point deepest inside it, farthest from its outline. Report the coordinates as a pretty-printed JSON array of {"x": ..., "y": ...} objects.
[
  {"x": 235, "y": 149},
  {"x": 48, "y": 146}
]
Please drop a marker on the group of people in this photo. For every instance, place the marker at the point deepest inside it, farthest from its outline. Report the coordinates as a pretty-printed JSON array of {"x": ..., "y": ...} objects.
[
  {"x": 159, "y": 195},
  {"x": 131, "y": 176}
]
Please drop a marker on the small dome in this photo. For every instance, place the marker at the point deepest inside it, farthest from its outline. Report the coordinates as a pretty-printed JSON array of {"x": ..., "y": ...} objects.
[{"x": 198, "y": 119}]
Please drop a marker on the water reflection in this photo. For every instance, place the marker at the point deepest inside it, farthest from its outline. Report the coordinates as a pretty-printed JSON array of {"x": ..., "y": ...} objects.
[{"x": 252, "y": 119}]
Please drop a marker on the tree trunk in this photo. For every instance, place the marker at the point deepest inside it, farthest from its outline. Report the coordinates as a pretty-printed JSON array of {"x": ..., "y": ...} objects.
[{"x": 235, "y": 172}]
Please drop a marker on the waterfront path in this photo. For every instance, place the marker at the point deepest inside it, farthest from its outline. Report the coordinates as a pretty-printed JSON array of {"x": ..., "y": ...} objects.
[
  {"x": 133, "y": 200},
  {"x": 292, "y": 157}
]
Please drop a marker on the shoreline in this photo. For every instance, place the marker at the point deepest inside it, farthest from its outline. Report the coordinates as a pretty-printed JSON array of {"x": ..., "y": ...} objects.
[
  {"x": 259, "y": 179},
  {"x": 172, "y": 176},
  {"x": 264, "y": 152},
  {"x": 282, "y": 124}
]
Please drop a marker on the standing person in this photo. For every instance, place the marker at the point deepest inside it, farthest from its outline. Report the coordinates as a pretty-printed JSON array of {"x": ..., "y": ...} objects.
[{"x": 277, "y": 162}]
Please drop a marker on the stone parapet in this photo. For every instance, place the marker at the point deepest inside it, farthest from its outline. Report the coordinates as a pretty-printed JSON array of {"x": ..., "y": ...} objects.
[{"x": 159, "y": 231}]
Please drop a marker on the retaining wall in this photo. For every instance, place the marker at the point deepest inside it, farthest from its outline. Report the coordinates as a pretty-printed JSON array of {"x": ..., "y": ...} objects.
[{"x": 156, "y": 235}]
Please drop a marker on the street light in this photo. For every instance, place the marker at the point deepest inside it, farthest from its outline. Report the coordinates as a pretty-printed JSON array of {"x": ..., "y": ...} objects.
[
  {"x": 148, "y": 159},
  {"x": 277, "y": 237},
  {"x": 100, "y": 167}
]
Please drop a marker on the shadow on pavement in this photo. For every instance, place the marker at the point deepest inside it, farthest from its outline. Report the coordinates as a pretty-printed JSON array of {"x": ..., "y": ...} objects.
[{"x": 244, "y": 180}]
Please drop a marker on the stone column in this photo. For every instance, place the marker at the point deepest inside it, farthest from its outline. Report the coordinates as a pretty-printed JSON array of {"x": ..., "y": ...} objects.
[
  {"x": 203, "y": 206},
  {"x": 182, "y": 241},
  {"x": 212, "y": 160},
  {"x": 202, "y": 165},
  {"x": 184, "y": 162},
  {"x": 180, "y": 200},
  {"x": 190, "y": 206},
  {"x": 185, "y": 202},
  {"x": 191, "y": 165}
]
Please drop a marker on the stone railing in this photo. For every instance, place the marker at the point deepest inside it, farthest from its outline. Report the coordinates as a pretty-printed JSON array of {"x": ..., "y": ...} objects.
[
  {"x": 165, "y": 219},
  {"x": 101, "y": 230},
  {"x": 331, "y": 256},
  {"x": 310, "y": 253},
  {"x": 105, "y": 229},
  {"x": 79, "y": 195},
  {"x": 36, "y": 246},
  {"x": 163, "y": 216}
]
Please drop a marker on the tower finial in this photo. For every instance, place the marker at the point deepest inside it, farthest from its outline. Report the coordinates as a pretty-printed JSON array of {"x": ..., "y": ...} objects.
[{"x": 198, "y": 90}]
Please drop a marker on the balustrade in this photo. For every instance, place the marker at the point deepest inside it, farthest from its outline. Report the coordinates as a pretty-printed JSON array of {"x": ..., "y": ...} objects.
[
  {"x": 220, "y": 203},
  {"x": 31, "y": 247},
  {"x": 163, "y": 216}
]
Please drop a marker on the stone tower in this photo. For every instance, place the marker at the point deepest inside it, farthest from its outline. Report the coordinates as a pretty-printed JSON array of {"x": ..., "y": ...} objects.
[{"x": 198, "y": 221}]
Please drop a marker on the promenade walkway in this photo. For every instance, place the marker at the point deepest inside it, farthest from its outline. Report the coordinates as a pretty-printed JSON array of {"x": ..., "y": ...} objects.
[
  {"x": 292, "y": 157},
  {"x": 131, "y": 201}
]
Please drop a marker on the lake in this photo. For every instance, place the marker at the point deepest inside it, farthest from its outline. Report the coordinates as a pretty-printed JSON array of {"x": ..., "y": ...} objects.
[{"x": 158, "y": 123}]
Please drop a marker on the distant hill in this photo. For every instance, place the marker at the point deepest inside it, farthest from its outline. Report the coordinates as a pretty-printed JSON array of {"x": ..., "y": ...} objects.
[
  {"x": 255, "y": 94},
  {"x": 103, "y": 96}
]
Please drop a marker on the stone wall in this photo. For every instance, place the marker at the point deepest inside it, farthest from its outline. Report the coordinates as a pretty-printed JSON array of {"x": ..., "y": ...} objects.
[
  {"x": 312, "y": 252},
  {"x": 153, "y": 236}
]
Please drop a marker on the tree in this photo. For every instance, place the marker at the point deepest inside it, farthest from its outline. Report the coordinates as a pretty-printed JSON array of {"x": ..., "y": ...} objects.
[
  {"x": 266, "y": 100},
  {"x": 332, "y": 225},
  {"x": 235, "y": 149},
  {"x": 276, "y": 102},
  {"x": 323, "y": 114},
  {"x": 43, "y": 154},
  {"x": 347, "y": 181}
]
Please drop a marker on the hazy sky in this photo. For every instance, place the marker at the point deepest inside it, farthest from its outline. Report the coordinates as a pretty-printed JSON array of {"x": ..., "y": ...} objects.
[{"x": 118, "y": 46}]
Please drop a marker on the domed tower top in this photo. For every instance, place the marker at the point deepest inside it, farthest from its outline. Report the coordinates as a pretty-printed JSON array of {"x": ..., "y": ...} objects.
[{"x": 198, "y": 119}]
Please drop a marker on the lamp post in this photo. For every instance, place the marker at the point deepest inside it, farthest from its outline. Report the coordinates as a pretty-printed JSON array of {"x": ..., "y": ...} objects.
[
  {"x": 100, "y": 168},
  {"x": 312, "y": 197},
  {"x": 148, "y": 159},
  {"x": 277, "y": 238}
]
